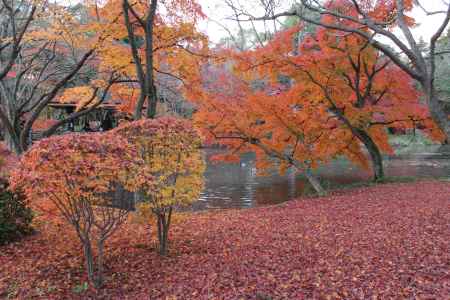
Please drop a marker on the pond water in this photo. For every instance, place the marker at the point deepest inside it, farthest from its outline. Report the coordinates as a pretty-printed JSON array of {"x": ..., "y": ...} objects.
[{"x": 238, "y": 186}]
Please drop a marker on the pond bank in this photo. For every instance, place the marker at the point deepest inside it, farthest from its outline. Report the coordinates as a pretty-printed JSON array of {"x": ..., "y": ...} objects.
[
  {"x": 385, "y": 241},
  {"x": 237, "y": 185}
]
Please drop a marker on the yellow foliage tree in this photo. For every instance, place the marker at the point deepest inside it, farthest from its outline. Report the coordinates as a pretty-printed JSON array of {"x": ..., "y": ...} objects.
[{"x": 170, "y": 148}]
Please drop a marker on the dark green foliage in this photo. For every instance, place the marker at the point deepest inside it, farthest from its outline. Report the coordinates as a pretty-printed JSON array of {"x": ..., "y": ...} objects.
[{"x": 15, "y": 216}]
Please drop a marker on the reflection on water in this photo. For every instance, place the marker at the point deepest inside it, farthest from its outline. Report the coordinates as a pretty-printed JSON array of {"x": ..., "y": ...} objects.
[{"x": 236, "y": 185}]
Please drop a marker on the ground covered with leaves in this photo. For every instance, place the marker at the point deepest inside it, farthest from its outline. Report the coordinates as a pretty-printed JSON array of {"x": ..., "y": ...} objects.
[{"x": 389, "y": 241}]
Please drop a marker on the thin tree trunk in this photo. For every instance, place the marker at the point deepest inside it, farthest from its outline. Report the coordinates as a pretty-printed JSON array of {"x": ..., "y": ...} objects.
[
  {"x": 301, "y": 167},
  {"x": 150, "y": 84},
  {"x": 99, "y": 279},
  {"x": 152, "y": 103},
  {"x": 164, "y": 217},
  {"x": 88, "y": 255},
  {"x": 145, "y": 75},
  {"x": 140, "y": 104},
  {"x": 314, "y": 181}
]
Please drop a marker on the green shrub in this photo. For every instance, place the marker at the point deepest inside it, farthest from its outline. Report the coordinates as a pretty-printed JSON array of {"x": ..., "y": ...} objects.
[{"x": 15, "y": 216}]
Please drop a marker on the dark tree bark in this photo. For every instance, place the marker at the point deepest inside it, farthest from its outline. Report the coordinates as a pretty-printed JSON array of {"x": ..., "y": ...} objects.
[
  {"x": 144, "y": 71},
  {"x": 32, "y": 73},
  {"x": 89, "y": 260},
  {"x": 164, "y": 217},
  {"x": 46, "y": 98},
  {"x": 374, "y": 153}
]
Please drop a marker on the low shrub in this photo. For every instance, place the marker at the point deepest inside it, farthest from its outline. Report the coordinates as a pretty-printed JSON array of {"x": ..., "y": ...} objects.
[{"x": 71, "y": 176}]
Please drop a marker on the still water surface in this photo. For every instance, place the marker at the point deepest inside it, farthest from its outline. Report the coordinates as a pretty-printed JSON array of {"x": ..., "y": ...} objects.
[{"x": 238, "y": 186}]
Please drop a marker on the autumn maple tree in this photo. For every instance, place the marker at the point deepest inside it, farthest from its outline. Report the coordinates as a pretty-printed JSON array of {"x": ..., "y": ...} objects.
[
  {"x": 170, "y": 150},
  {"x": 375, "y": 19},
  {"x": 355, "y": 83},
  {"x": 334, "y": 87},
  {"x": 232, "y": 114},
  {"x": 71, "y": 176}
]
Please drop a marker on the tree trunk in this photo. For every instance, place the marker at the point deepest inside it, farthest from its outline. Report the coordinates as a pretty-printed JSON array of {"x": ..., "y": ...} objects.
[
  {"x": 12, "y": 142},
  {"x": 150, "y": 80},
  {"x": 140, "y": 103},
  {"x": 298, "y": 165},
  {"x": 374, "y": 153},
  {"x": 152, "y": 103},
  {"x": 163, "y": 220},
  {"x": 372, "y": 148},
  {"x": 88, "y": 256},
  {"x": 99, "y": 278},
  {"x": 439, "y": 115},
  {"x": 314, "y": 181},
  {"x": 11, "y": 131}
]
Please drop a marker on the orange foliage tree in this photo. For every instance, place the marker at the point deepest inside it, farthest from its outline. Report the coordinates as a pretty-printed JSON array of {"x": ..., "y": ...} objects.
[
  {"x": 356, "y": 84},
  {"x": 372, "y": 19},
  {"x": 331, "y": 92},
  {"x": 231, "y": 113},
  {"x": 170, "y": 148},
  {"x": 363, "y": 90},
  {"x": 71, "y": 176}
]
